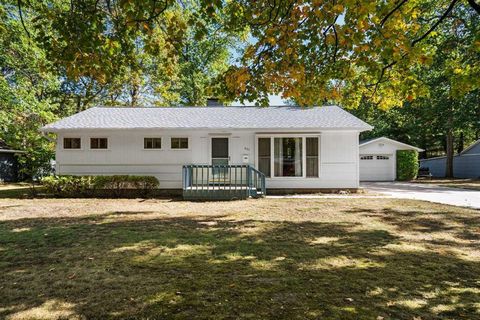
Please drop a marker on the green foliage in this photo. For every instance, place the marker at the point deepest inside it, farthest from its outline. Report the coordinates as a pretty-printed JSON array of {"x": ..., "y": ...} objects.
[
  {"x": 119, "y": 183},
  {"x": 28, "y": 90},
  {"x": 407, "y": 165},
  {"x": 59, "y": 58},
  {"x": 109, "y": 186},
  {"x": 450, "y": 103},
  {"x": 348, "y": 51},
  {"x": 132, "y": 52}
]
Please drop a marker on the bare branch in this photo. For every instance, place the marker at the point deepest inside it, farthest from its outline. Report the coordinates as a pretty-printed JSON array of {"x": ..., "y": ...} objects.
[
  {"x": 435, "y": 25},
  {"x": 401, "y": 3},
  {"x": 336, "y": 44},
  {"x": 19, "y": 2},
  {"x": 474, "y": 5}
]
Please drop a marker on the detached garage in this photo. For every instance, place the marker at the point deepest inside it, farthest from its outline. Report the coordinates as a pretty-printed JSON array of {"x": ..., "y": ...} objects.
[{"x": 378, "y": 158}]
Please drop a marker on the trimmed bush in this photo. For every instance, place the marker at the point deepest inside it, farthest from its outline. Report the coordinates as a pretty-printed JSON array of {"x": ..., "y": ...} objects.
[
  {"x": 407, "y": 164},
  {"x": 104, "y": 186}
]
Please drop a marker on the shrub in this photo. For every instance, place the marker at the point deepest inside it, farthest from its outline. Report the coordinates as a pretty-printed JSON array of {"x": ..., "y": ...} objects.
[
  {"x": 407, "y": 164},
  {"x": 111, "y": 186},
  {"x": 120, "y": 184}
]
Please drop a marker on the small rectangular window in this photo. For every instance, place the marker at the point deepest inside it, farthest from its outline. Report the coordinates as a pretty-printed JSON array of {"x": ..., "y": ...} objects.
[
  {"x": 98, "y": 143},
  {"x": 179, "y": 143},
  {"x": 312, "y": 157},
  {"x": 71, "y": 143},
  {"x": 383, "y": 158},
  {"x": 152, "y": 143},
  {"x": 264, "y": 156},
  {"x": 366, "y": 157}
]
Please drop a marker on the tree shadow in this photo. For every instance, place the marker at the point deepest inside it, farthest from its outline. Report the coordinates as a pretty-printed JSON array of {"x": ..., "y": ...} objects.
[{"x": 204, "y": 267}]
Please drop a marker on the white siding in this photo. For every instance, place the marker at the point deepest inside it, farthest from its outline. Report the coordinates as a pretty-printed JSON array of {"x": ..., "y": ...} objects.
[{"x": 125, "y": 155}]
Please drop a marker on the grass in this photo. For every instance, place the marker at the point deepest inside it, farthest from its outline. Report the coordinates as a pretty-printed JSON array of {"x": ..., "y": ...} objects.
[
  {"x": 18, "y": 190},
  {"x": 471, "y": 184},
  {"x": 254, "y": 259}
]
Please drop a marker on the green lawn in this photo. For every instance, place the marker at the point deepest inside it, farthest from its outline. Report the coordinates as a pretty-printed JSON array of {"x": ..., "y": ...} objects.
[
  {"x": 18, "y": 190},
  {"x": 255, "y": 259}
]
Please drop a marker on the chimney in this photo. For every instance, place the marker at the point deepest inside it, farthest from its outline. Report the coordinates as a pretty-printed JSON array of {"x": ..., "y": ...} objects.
[{"x": 214, "y": 102}]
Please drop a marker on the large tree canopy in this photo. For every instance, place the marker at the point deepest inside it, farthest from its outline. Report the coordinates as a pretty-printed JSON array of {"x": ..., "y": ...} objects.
[
  {"x": 308, "y": 50},
  {"x": 346, "y": 50}
]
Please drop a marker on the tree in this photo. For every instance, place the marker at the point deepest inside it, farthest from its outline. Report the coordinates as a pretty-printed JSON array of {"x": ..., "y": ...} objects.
[
  {"x": 307, "y": 50},
  {"x": 27, "y": 94},
  {"x": 346, "y": 51},
  {"x": 450, "y": 105}
]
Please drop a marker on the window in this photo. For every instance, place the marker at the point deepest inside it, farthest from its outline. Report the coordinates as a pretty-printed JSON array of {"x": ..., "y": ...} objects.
[
  {"x": 98, "y": 143},
  {"x": 264, "y": 156},
  {"x": 383, "y": 158},
  {"x": 288, "y": 157},
  {"x": 152, "y": 143},
  {"x": 366, "y": 157},
  {"x": 71, "y": 143},
  {"x": 179, "y": 143},
  {"x": 312, "y": 157}
]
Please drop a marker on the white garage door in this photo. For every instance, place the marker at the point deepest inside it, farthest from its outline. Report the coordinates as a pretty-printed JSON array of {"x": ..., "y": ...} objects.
[{"x": 376, "y": 167}]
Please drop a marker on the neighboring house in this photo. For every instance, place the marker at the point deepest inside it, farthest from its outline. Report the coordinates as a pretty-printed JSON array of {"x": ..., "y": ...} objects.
[
  {"x": 295, "y": 148},
  {"x": 466, "y": 164},
  {"x": 378, "y": 158},
  {"x": 8, "y": 163}
]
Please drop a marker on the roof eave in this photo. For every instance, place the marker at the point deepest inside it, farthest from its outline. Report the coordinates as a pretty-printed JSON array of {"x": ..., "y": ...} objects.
[
  {"x": 393, "y": 141},
  {"x": 470, "y": 147},
  {"x": 58, "y": 130}
]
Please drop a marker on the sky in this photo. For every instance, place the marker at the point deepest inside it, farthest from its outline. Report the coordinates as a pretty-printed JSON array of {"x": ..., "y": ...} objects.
[{"x": 274, "y": 100}]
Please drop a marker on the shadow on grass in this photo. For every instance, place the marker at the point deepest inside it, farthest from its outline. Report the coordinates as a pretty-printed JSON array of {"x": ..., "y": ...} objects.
[
  {"x": 217, "y": 268},
  {"x": 22, "y": 192}
]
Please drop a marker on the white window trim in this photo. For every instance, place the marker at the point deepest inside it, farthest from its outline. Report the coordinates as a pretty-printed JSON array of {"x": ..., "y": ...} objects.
[
  {"x": 180, "y": 149},
  {"x": 99, "y": 149},
  {"x": 304, "y": 154},
  {"x": 71, "y": 149},
  {"x": 162, "y": 142}
]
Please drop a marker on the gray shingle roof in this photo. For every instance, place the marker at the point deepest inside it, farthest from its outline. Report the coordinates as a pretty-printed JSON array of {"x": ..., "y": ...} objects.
[{"x": 286, "y": 117}]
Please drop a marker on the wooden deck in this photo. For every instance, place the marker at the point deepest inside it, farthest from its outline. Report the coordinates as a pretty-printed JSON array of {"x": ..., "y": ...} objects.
[{"x": 200, "y": 184}]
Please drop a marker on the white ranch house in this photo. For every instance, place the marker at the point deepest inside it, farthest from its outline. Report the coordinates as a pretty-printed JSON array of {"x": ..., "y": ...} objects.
[{"x": 295, "y": 148}]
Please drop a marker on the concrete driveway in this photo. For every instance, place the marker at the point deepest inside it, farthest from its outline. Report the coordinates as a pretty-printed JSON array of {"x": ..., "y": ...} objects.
[{"x": 427, "y": 192}]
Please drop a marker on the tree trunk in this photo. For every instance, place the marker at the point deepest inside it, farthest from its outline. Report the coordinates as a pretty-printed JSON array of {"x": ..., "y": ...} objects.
[
  {"x": 449, "y": 164},
  {"x": 79, "y": 103},
  {"x": 134, "y": 96},
  {"x": 461, "y": 143}
]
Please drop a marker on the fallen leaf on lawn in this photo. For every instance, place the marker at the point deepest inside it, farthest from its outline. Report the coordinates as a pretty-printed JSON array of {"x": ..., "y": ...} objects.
[{"x": 71, "y": 276}]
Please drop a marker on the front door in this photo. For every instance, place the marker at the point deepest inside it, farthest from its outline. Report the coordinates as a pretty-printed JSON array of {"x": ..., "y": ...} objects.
[{"x": 220, "y": 157}]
